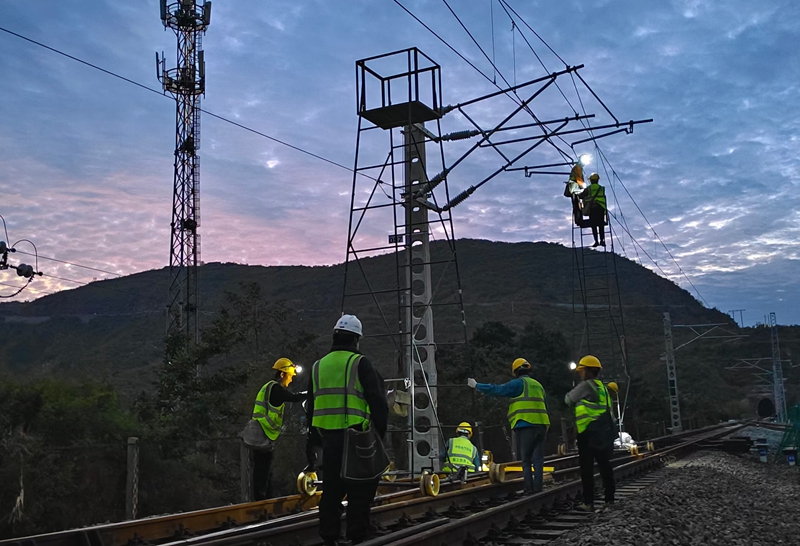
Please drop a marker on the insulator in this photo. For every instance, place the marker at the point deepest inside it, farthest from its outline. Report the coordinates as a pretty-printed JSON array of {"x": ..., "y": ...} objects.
[
  {"x": 458, "y": 199},
  {"x": 461, "y": 135},
  {"x": 24, "y": 270},
  {"x": 446, "y": 109},
  {"x": 436, "y": 180}
]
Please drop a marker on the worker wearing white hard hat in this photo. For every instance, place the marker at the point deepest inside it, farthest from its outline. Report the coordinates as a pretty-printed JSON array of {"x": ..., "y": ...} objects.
[{"x": 344, "y": 391}]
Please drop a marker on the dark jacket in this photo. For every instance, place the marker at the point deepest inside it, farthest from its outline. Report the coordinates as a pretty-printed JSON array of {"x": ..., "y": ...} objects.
[{"x": 280, "y": 395}]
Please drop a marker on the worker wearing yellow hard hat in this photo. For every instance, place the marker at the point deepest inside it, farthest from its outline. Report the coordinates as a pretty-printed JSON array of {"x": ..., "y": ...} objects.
[
  {"x": 595, "y": 426},
  {"x": 461, "y": 452},
  {"x": 265, "y": 425},
  {"x": 527, "y": 414}
]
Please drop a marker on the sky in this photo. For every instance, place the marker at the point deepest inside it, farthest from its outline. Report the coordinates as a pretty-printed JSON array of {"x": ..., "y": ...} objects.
[{"x": 86, "y": 160}]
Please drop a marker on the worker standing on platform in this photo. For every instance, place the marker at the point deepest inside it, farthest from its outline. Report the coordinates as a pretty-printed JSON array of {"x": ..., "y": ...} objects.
[
  {"x": 461, "y": 452},
  {"x": 268, "y": 413},
  {"x": 344, "y": 391},
  {"x": 595, "y": 197},
  {"x": 528, "y": 416},
  {"x": 595, "y": 427}
]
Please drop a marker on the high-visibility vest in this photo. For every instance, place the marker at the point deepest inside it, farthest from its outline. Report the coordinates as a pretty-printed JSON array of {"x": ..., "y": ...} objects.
[
  {"x": 597, "y": 194},
  {"x": 270, "y": 417},
  {"x": 460, "y": 452},
  {"x": 586, "y": 412},
  {"x": 339, "y": 400},
  {"x": 529, "y": 406}
]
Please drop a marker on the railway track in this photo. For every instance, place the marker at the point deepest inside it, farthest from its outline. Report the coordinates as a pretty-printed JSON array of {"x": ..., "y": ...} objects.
[{"x": 467, "y": 510}]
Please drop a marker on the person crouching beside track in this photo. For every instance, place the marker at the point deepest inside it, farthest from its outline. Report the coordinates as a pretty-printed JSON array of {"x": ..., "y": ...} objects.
[
  {"x": 528, "y": 416},
  {"x": 344, "y": 391},
  {"x": 595, "y": 427},
  {"x": 265, "y": 425},
  {"x": 461, "y": 452}
]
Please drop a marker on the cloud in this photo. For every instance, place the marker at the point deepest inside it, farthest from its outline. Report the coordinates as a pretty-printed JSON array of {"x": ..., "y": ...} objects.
[{"x": 86, "y": 159}]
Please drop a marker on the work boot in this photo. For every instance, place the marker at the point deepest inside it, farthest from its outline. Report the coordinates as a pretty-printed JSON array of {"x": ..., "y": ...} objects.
[
  {"x": 596, "y": 244},
  {"x": 602, "y": 243},
  {"x": 583, "y": 507}
]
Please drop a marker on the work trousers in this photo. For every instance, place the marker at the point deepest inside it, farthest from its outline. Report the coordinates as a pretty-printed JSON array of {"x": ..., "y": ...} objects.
[
  {"x": 360, "y": 494},
  {"x": 587, "y": 458},
  {"x": 262, "y": 485},
  {"x": 597, "y": 219},
  {"x": 530, "y": 443}
]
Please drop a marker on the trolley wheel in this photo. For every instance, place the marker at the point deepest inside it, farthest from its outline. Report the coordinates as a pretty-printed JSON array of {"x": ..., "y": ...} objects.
[
  {"x": 497, "y": 473},
  {"x": 429, "y": 484},
  {"x": 305, "y": 483},
  {"x": 650, "y": 446},
  {"x": 389, "y": 477},
  {"x": 562, "y": 449},
  {"x": 634, "y": 449}
]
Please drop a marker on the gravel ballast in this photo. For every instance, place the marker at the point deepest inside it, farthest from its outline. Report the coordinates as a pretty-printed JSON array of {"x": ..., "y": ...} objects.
[{"x": 706, "y": 498}]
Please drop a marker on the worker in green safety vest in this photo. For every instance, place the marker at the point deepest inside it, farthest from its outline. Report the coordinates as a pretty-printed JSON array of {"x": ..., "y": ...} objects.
[
  {"x": 595, "y": 426},
  {"x": 527, "y": 414},
  {"x": 266, "y": 422},
  {"x": 460, "y": 452},
  {"x": 344, "y": 391},
  {"x": 595, "y": 198}
]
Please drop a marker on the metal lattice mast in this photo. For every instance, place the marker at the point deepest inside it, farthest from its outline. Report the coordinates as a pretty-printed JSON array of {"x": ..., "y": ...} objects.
[
  {"x": 186, "y": 83},
  {"x": 778, "y": 390},
  {"x": 672, "y": 376}
]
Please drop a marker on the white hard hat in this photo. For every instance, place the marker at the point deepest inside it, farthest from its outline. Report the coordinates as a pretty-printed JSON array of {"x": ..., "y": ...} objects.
[{"x": 349, "y": 323}]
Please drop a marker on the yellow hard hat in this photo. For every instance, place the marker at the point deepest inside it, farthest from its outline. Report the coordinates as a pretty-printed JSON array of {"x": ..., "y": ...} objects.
[
  {"x": 520, "y": 363},
  {"x": 465, "y": 428},
  {"x": 589, "y": 361},
  {"x": 594, "y": 176},
  {"x": 285, "y": 365},
  {"x": 613, "y": 387}
]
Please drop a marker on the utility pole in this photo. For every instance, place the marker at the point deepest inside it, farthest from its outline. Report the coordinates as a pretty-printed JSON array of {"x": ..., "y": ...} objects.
[
  {"x": 185, "y": 83},
  {"x": 733, "y": 312}
]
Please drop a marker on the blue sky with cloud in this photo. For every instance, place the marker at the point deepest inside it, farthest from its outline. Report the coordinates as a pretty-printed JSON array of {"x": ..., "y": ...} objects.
[{"x": 86, "y": 159}]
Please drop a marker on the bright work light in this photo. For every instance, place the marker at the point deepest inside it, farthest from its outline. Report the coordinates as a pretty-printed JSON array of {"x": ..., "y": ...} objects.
[
  {"x": 585, "y": 159},
  {"x": 572, "y": 365}
]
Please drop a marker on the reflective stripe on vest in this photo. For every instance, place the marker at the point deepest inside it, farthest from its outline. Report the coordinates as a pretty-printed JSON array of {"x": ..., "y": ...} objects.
[
  {"x": 597, "y": 194},
  {"x": 335, "y": 378},
  {"x": 460, "y": 452},
  {"x": 586, "y": 411},
  {"x": 530, "y": 405},
  {"x": 270, "y": 417}
]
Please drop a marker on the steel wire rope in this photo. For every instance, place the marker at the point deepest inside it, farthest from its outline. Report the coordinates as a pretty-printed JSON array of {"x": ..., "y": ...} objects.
[
  {"x": 71, "y": 263},
  {"x": 605, "y": 159},
  {"x": 497, "y": 70},
  {"x": 163, "y": 94}
]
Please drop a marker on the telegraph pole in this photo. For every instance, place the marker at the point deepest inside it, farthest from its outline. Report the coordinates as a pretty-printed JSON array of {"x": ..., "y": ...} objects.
[{"x": 186, "y": 83}]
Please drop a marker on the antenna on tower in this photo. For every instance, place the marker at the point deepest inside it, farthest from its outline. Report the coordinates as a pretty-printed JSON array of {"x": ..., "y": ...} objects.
[{"x": 186, "y": 82}]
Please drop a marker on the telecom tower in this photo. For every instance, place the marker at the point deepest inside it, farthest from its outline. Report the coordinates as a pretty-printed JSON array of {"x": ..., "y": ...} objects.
[{"x": 185, "y": 83}]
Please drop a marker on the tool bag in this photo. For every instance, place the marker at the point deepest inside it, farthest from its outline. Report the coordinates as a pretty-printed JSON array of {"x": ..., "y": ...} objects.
[
  {"x": 363, "y": 456},
  {"x": 254, "y": 437}
]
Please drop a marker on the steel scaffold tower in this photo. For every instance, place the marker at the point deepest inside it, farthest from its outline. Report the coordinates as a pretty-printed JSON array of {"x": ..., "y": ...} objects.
[{"x": 186, "y": 83}]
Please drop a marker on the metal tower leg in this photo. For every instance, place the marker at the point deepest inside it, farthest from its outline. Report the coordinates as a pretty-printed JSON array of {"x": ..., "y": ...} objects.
[{"x": 672, "y": 376}]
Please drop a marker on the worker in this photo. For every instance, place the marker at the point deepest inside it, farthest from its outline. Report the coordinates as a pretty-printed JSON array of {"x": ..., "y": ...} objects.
[
  {"x": 329, "y": 412},
  {"x": 574, "y": 187},
  {"x": 528, "y": 416},
  {"x": 268, "y": 413},
  {"x": 595, "y": 426},
  {"x": 461, "y": 453},
  {"x": 595, "y": 197}
]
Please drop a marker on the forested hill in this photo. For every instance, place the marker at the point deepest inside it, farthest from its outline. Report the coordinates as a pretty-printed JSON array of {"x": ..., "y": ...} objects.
[{"x": 113, "y": 329}]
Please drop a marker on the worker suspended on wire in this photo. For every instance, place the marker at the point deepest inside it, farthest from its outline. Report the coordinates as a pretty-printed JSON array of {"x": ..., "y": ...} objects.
[
  {"x": 596, "y": 433},
  {"x": 594, "y": 203},
  {"x": 573, "y": 189},
  {"x": 528, "y": 416},
  {"x": 344, "y": 391},
  {"x": 265, "y": 425},
  {"x": 461, "y": 452}
]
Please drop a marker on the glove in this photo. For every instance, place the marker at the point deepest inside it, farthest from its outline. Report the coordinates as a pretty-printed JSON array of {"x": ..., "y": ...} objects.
[{"x": 472, "y": 383}]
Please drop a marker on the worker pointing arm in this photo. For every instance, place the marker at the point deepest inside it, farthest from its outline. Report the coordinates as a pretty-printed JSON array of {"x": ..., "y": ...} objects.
[{"x": 527, "y": 414}]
